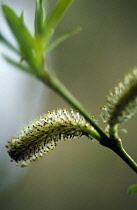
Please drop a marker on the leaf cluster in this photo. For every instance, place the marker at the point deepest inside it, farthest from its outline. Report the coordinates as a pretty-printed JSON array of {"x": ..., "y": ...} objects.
[{"x": 33, "y": 48}]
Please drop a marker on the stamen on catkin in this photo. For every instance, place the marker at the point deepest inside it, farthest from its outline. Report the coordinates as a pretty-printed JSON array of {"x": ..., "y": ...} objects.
[
  {"x": 42, "y": 135},
  {"x": 122, "y": 102}
]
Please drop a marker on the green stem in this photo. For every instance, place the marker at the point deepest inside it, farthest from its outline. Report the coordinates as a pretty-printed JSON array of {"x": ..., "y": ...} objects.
[
  {"x": 117, "y": 147},
  {"x": 124, "y": 155},
  {"x": 57, "y": 86}
]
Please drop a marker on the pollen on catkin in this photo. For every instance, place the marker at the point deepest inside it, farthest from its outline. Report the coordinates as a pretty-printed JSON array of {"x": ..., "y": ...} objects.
[
  {"x": 122, "y": 102},
  {"x": 42, "y": 135}
]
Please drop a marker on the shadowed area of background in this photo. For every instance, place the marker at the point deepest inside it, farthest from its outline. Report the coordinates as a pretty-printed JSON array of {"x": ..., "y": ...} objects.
[{"x": 80, "y": 174}]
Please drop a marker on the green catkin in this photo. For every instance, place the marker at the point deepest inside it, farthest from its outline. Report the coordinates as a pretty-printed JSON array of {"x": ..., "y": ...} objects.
[
  {"x": 42, "y": 135},
  {"x": 122, "y": 103}
]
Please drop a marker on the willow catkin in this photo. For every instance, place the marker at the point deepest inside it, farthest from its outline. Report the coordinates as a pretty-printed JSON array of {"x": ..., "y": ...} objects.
[
  {"x": 42, "y": 135},
  {"x": 122, "y": 102}
]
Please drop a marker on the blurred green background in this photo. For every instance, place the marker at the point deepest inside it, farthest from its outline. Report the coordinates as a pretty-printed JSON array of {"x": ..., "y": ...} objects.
[{"x": 80, "y": 174}]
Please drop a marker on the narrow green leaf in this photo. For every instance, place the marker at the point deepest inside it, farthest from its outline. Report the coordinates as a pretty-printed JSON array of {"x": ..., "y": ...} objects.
[
  {"x": 56, "y": 15},
  {"x": 18, "y": 65},
  {"x": 62, "y": 38},
  {"x": 39, "y": 17},
  {"x": 132, "y": 189},
  {"x": 24, "y": 38},
  {"x": 8, "y": 44},
  {"x": 22, "y": 17}
]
